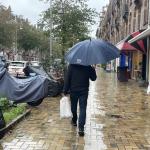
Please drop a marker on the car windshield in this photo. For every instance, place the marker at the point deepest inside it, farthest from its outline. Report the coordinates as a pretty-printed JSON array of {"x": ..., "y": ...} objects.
[
  {"x": 35, "y": 64},
  {"x": 17, "y": 64}
]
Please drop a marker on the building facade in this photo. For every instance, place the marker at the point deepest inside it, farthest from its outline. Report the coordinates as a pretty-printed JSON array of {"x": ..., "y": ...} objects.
[{"x": 119, "y": 20}]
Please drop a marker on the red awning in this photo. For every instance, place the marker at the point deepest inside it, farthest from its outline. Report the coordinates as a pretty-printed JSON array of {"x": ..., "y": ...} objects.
[
  {"x": 125, "y": 46},
  {"x": 141, "y": 36}
]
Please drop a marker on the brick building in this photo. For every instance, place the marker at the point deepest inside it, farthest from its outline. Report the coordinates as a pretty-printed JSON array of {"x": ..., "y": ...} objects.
[{"x": 119, "y": 20}]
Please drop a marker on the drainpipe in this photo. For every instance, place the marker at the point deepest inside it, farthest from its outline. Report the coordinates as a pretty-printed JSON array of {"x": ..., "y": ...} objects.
[
  {"x": 148, "y": 48},
  {"x": 148, "y": 13}
]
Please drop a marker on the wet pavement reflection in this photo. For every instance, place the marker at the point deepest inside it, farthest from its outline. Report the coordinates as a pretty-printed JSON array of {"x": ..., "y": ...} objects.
[{"x": 117, "y": 119}]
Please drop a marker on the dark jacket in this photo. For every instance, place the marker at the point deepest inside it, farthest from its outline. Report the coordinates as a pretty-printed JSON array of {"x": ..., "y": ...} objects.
[{"x": 77, "y": 78}]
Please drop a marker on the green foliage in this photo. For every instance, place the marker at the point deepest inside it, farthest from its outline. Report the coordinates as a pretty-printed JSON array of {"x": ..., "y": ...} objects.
[
  {"x": 13, "y": 112},
  {"x": 71, "y": 21},
  {"x": 15, "y": 29},
  {"x": 103, "y": 66},
  {"x": 28, "y": 38},
  {"x": 4, "y": 103},
  {"x": 7, "y": 29},
  {"x": 47, "y": 62},
  {"x": 6, "y": 35}
]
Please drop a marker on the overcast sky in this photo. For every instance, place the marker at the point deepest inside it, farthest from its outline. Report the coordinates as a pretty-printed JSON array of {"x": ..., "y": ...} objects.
[{"x": 32, "y": 8}]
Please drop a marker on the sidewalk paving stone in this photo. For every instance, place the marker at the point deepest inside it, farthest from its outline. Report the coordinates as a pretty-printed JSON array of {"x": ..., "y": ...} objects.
[{"x": 117, "y": 119}]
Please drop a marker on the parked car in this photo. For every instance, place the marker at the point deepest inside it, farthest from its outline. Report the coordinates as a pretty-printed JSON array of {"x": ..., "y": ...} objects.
[
  {"x": 35, "y": 64},
  {"x": 16, "y": 68}
]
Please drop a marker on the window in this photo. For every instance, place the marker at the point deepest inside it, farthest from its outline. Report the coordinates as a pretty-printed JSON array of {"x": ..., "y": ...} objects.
[
  {"x": 138, "y": 3},
  {"x": 145, "y": 17},
  {"x": 139, "y": 18},
  {"x": 125, "y": 12},
  {"x": 134, "y": 14},
  {"x": 118, "y": 3},
  {"x": 134, "y": 24},
  {"x": 129, "y": 24},
  {"x": 145, "y": 3}
]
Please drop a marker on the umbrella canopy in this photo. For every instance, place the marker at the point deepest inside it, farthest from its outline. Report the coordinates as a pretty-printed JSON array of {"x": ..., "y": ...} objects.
[{"x": 92, "y": 51}]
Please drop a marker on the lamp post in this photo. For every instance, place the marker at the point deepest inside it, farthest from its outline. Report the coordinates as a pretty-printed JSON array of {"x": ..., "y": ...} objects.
[
  {"x": 15, "y": 38},
  {"x": 16, "y": 42},
  {"x": 148, "y": 47},
  {"x": 50, "y": 25},
  {"x": 63, "y": 34},
  {"x": 15, "y": 35},
  {"x": 18, "y": 27}
]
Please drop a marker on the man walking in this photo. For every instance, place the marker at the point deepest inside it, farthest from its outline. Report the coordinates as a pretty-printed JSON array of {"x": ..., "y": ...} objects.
[{"x": 77, "y": 83}]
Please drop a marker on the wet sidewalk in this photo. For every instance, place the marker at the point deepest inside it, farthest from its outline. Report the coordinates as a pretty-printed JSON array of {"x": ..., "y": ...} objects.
[{"x": 118, "y": 118}]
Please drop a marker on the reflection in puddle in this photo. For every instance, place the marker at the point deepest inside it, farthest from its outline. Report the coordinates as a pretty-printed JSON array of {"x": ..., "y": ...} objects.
[
  {"x": 22, "y": 142},
  {"x": 94, "y": 126}
]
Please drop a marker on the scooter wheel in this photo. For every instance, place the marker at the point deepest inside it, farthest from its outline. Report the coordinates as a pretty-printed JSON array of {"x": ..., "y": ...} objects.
[{"x": 35, "y": 103}]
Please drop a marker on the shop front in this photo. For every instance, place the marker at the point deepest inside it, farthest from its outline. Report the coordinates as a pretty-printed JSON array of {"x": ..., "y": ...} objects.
[
  {"x": 144, "y": 36},
  {"x": 133, "y": 57}
]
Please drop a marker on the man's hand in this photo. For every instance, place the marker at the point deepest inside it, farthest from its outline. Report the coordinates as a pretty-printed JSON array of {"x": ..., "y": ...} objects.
[{"x": 93, "y": 66}]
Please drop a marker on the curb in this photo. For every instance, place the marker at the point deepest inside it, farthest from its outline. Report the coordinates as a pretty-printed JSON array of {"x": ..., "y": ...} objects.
[{"x": 12, "y": 124}]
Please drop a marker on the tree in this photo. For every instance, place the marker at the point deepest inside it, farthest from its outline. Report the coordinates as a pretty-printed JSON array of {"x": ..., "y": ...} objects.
[
  {"x": 16, "y": 33},
  {"x": 28, "y": 38},
  {"x": 71, "y": 21},
  {"x": 6, "y": 28}
]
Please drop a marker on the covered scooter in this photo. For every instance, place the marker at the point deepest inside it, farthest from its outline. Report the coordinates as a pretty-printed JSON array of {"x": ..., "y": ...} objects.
[{"x": 31, "y": 90}]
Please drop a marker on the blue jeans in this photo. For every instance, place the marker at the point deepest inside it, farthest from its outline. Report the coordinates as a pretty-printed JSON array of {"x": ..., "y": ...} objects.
[{"x": 82, "y": 97}]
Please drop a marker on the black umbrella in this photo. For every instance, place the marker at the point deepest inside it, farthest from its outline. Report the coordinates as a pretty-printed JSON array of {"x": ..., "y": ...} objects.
[{"x": 92, "y": 51}]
